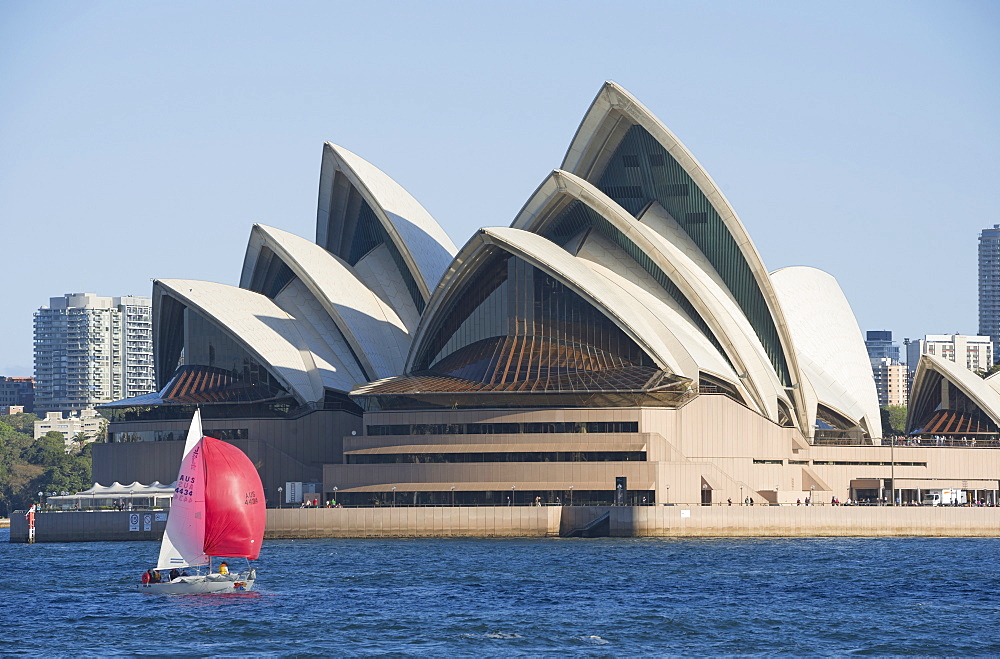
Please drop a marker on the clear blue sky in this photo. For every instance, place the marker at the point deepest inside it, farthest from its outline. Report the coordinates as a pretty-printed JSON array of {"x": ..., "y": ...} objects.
[{"x": 141, "y": 140}]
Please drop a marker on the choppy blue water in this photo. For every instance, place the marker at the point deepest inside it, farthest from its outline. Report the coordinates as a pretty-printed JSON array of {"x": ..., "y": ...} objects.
[{"x": 508, "y": 597}]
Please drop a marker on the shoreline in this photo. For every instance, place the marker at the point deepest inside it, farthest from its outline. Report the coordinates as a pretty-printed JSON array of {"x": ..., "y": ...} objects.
[{"x": 547, "y": 521}]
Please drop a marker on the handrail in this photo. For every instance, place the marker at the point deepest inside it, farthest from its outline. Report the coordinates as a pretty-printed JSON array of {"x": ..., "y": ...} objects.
[
  {"x": 917, "y": 442},
  {"x": 680, "y": 504}
]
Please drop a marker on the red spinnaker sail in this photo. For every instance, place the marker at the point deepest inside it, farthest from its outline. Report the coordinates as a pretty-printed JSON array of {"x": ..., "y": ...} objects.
[{"x": 235, "y": 511}]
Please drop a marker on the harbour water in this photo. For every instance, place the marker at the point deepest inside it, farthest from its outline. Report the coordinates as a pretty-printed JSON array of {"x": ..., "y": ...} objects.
[{"x": 615, "y": 596}]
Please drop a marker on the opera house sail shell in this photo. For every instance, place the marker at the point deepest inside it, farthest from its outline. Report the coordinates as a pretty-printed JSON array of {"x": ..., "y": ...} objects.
[
  {"x": 668, "y": 295},
  {"x": 272, "y": 362},
  {"x": 375, "y": 226},
  {"x": 620, "y": 342},
  {"x": 951, "y": 403}
]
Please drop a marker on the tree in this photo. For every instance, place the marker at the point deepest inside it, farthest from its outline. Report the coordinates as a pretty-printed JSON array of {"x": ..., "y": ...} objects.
[
  {"x": 893, "y": 419},
  {"x": 47, "y": 450},
  {"x": 29, "y": 466},
  {"x": 23, "y": 423},
  {"x": 988, "y": 372}
]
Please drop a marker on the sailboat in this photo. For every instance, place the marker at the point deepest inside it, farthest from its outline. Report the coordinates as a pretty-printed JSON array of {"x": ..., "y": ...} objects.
[{"x": 218, "y": 510}]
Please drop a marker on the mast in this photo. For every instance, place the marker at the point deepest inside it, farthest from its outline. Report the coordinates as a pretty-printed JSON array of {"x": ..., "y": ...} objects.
[{"x": 184, "y": 537}]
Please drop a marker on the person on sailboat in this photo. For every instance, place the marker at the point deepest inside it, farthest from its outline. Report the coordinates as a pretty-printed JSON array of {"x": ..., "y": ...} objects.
[
  {"x": 174, "y": 573},
  {"x": 224, "y": 568}
]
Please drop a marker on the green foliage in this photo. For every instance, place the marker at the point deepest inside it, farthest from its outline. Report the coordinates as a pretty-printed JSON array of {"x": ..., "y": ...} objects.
[
  {"x": 893, "y": 420},
  {"x": 24, "y": 423},
  {"x": 988, "y": 372},
  {"x": 29, "y": 466},
  {"x": 45, "y": 450}
]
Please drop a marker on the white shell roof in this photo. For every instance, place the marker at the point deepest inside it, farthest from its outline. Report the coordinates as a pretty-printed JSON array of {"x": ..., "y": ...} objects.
[
  {"x": 374, "y": 330},
  {"x": 613, "y": 97},
  {"x": 619, "y": 304},
  {"x": 831, "y": 349},
  {"x": 417, "y": 236},
  {"x": 259, "y": 325},
  {"x": 701, "y": 283},
  {"x": 329, "y": 351},
  {"x": 608, "y": 115},
  {"x": 985, "y": 393},
  {"x": 605, "y": 258},
  {"x": 378, "y": 272},
  {"x": 672, "y": 250}
]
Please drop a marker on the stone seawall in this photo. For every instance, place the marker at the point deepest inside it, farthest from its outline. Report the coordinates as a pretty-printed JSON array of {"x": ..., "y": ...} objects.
[
  {"x": 549, "y": 521},
  {"x": 89, "y": 526},
  {"x": 791, "y": 521},
  {"x": 430, "y": 522},
  {"x": 640, "y": 521}
]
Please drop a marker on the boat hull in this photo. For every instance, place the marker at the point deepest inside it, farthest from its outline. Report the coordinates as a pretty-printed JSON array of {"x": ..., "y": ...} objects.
[{"x": 213, "y": 583}]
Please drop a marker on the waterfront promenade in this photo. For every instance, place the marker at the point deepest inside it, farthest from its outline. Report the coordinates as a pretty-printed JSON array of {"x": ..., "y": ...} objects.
[{"x": 552, "y": 521}]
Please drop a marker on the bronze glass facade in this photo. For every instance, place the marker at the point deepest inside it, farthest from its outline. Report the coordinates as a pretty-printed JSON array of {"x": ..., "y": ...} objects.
[{"x": 560, "y": 332}]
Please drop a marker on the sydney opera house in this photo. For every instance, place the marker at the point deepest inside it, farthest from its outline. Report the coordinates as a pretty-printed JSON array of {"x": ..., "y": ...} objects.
[{"x": 621, "y": 341}]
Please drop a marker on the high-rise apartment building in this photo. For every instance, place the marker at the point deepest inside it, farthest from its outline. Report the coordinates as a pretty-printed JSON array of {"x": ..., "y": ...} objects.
[
  {"x": 890, "y": 376},
  {"x": 91, "y": 350},
  {"x": 890, "y": 382},
  {"x": 880, "y": 345},
  {"x": 973, "y": 352},
  {"x": 989, "y": 285}
]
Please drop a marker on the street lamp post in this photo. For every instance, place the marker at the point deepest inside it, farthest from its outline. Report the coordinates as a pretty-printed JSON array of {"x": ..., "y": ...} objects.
[
  {"x": 393, "y": 496},
  {"x": 742, "y": 500},
  {"x": 668, "y": 495},
  {"x": 452, "y": 496},
  {"x": 892, "y": 466},
  {"x": 41, "y": 502},
  {"x": 812, "y": 494},
  {"x": 334, "y": 495},
  {"x": 571, "y": 495},
  {"x": 280, "y": 490},
  {"x": 513, "y": 497}
]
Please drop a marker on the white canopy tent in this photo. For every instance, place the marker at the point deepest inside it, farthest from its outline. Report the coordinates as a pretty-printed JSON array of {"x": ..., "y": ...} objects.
[{"x": 154, "y": 495}]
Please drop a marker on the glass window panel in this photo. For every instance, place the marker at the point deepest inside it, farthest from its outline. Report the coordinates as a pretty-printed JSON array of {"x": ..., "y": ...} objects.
[
  {"x": 271, "y": 274},
  {"x": 215, "y": 362},
  {"x": 711, "y": 235}
]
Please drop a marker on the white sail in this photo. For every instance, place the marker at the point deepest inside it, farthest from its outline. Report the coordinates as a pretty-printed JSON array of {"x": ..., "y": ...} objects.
[
  {"x": 194, "y": 435},
  {"x": 184, "y": 538}
]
